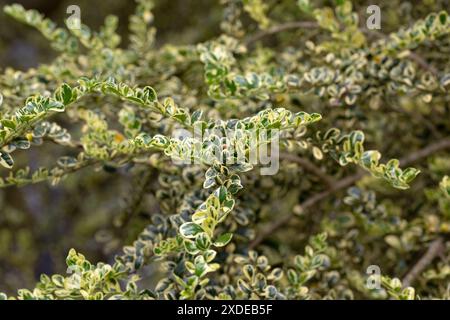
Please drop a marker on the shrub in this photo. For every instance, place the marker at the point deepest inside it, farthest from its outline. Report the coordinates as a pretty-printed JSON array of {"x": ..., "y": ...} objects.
[{"x": 334, "y": 220}]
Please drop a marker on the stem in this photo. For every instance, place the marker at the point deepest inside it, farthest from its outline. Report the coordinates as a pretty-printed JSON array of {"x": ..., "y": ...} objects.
[
  {"x": 280, "y": 28},
  {"x": 433, "y": 250},
  {"x": 309, "y": 166}
]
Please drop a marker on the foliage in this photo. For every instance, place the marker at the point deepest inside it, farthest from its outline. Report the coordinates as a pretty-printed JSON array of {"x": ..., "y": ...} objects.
[{"x": 209, "y": 226}]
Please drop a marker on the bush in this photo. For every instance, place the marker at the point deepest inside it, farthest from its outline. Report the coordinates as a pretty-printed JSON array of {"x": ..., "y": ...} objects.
[{"x": 250, "y": 164}]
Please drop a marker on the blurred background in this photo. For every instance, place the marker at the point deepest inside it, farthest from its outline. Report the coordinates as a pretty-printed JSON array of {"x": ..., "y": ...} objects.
[{"x": 180, "y": 21}]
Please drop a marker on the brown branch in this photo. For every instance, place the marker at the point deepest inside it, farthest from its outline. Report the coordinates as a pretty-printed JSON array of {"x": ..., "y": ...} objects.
[
  {"x": 300, "y": 25},
  {"x": 281, "y": 28},
  {"x": 345, "y": 183},
  {"x": 422, "y": 63},
  {"x": 135, "y": 200},
  {"x": 425, "y": 152},
  {"x": 309, "y": 166},
  {"x": 433, "y": 250}
]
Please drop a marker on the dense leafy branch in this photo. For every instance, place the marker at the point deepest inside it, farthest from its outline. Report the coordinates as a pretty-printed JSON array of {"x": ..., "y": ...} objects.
[{"x": 202, "y": 218}]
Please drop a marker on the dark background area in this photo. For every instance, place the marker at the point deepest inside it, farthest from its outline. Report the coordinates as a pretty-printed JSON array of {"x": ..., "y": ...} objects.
[{"x": 22, "y": 48}]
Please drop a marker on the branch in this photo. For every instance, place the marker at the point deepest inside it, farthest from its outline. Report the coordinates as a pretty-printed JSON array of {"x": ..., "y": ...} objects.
[
  {"x": 280, "y": 28},
  {"x": 345, "y": 183},
  {"x": 425, "y": 152},
  {"x": 433, "y": 250},
  {"x": 422, "y": 63},
  {"x": 135, "y": 200},
  {"x": 309, "y": 166},
  {"x": 298, "y": 25}
]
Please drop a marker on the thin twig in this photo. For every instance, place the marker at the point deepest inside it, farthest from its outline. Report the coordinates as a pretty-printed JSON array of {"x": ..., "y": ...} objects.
[
  {"x": 298, "y": 25},
  {"x": 136, "y": 198},
  {"x": 422, "y": 63},
  {"x": 433, "y": 250},
  {"x": 345, "y": 183},
  {"x": 309, "y": 166},
  {"x": 425, "y": 152},
  {"x": 280, "y": 28}
]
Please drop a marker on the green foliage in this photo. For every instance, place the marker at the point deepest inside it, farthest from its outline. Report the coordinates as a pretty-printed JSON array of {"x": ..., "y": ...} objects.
[
  {"x": 207, "y": 227},
  {"x": 395, "y": 290}
]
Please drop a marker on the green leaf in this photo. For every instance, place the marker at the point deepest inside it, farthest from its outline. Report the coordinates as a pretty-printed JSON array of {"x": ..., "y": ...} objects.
[
  {"x": 211, "y": 173},
  {"x": 223, "y": 239},
  {"x": 190, "y": 229},
  {"x": 8, "y": 124},
  {"x": 276, "y": 274},
  {"x": 67, "y": 162},
  {"x": 317, "y": 153},
  {"x": 209, "y": 183},
  {"x": 445, "y": 186},
  {"x": 443, "y": 17},
  {"x": 244, "y": 286},
  {"x": 6, "y": 160},
  {"x": 356, "y": 136},
  {"x": 304, "y": 5},
  {"x": 181, "y": 117},
  {"x": 150, "y": 94},
  {"x": 22, "y": 144},
  {"x": 209, "y": 255},
  {"x": 199, "y": 216},
  {"x": 249, "y": 271},
  {"x": 201, "y": 267},
  {"x": 55, "y": 106},
  {"x": 196, "y": 116},
  {"x": 58, "y": 280},
  {"x": 228, "y": 205},
  {"x": 410, "y": 174},
  {"x": 292, "y": 276},
  {"x": 222, "y": 194},
  {"x": 408, "y": 293},
  {"x": 202, "y": 241},
  {"x": 243, "y": 167},
  {"x": 191, "y": 247},
  {"x": 66, "y": 94}
]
